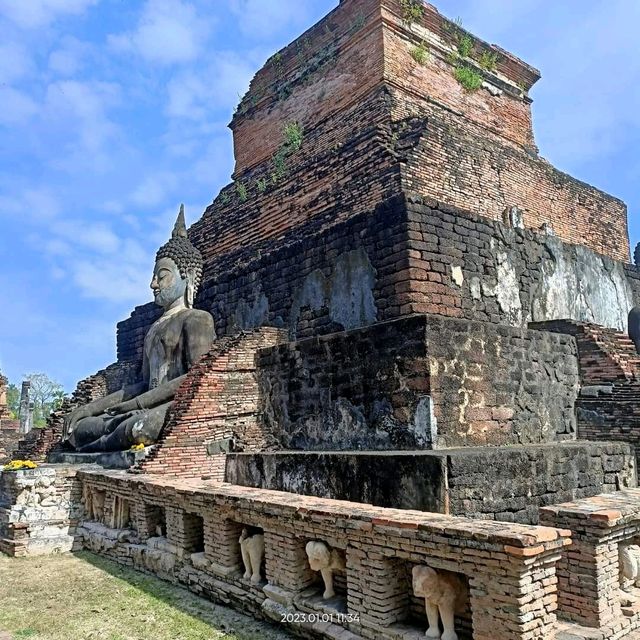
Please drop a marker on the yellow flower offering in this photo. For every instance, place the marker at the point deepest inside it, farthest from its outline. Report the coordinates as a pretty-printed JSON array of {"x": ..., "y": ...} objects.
[
  {"x": 19, "y": 465},
  {"x": 137, "y": 447}
]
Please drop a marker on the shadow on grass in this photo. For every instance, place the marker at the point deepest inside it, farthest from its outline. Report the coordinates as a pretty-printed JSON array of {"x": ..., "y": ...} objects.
[{"x": 189, "y": 603}]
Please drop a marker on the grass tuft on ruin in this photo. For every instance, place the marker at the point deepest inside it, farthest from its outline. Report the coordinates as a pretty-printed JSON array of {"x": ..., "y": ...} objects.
[
  {"x": 470, "y": 79},
  {"x": 420, "y": 53}
]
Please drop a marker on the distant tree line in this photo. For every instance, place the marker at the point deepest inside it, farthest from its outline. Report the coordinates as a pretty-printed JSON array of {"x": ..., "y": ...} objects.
[{"x": 46, "y": 396}]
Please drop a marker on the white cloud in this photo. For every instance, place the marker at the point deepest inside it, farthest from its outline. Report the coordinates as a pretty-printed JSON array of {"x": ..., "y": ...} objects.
[
  {"x": 15, "y": 61},
  {"x": 259, "y": 19},
  {"x": 32, "y": 14},
  {"x": 17, "y": 107},
  {"x": 100, "y": 263},
  {"x": 37, "y": 205},
  {"x": 112, "y": 206},
  {"x": 70, "y": 57},
  {"x": 55, "y": 247},
  {"x": 92, "y": 236},
  {"x": 82, "y": 107},
  {"x": 153, "y": 189},
  {"x": 112, "y": 280},
  {"x": 195, "y": 94},
  {"x": 169, "y": 32}
]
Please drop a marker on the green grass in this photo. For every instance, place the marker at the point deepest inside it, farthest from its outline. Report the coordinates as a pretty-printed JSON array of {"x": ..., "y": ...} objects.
[
  {"x": 465, "y": 46},
  {"x": 471, "y": 80},
  {"x": 420, "y": 53},
  {"x": 89, "y": 598},
  {"x": 293, "y": 136},
  {"x": 412, "y": 11},
  {"x": 241, "y": 190},
  {"x": 488, "y": 61}
]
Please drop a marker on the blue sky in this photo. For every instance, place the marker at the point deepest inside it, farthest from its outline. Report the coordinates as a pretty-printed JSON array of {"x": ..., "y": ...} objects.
[{"x": 115, "y": 111}]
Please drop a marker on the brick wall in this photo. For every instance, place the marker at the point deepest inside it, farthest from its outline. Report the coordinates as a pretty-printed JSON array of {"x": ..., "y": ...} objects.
[
  {"x": 508, "y": 114},
  {"x": 9, "y": 437},
  {"x": 464, "y": 165},
  {"x": 361, "y": 389},
  {"x": 473, "y": 150},
  {"x": 328, "y": 69},
  {"x": 330, "y": 177},
  {"x": 608, "y": 407},
  {"x": 465, "y": 266},
  {"x": 307, "y": 283},
  {"x": 589, "y": 574},
  {"x": 493, "y": 385}
]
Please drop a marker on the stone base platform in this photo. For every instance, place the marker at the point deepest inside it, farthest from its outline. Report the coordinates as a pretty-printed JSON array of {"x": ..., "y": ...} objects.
[
  {"x": 568, "y": 631},
  {"x": 502, "y": 483},
  {"x": 39, "y": 510},
  {"x": 108, "y": 460}
]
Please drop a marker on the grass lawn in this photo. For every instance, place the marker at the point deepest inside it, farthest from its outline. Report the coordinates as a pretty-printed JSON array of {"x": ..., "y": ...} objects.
[{"x": 85, "y": 597}]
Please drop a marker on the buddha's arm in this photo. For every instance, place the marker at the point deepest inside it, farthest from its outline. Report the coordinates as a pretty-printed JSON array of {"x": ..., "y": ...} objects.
[
  {"x": 101, "y": 405},
  {"x": 152, "y": 398}
]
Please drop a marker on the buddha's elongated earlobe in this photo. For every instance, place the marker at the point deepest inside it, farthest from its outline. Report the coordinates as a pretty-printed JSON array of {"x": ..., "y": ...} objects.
[{"x": 190, "y": 292}]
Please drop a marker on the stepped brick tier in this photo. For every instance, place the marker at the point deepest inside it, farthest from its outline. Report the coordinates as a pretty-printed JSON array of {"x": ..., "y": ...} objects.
[
  {"x": 408, "y": 255},
  {"x": 608, "y": 406},
  {"x": 412, "y": 310},
  {"x": 507, "y": 484}
]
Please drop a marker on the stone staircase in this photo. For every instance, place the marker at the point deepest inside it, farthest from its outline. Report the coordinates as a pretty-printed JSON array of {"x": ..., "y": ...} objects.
[
  {"x": 605, "y": 355},
  {"x": 608, "y": 407}
]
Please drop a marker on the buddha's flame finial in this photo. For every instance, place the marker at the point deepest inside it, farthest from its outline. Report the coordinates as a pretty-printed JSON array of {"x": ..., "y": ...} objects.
[{"x": 180, "y": 227}]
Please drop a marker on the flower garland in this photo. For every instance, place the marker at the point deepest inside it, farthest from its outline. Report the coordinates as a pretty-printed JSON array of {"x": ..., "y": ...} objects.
[{"x": 19, "y": 465}]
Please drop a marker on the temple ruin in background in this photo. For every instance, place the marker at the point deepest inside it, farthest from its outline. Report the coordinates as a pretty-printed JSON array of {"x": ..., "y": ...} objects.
[{"x": 9, "y": 427}]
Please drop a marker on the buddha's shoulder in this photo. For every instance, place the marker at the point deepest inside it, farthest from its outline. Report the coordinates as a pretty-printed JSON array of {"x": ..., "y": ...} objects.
[{"x": 197, "y": 317}]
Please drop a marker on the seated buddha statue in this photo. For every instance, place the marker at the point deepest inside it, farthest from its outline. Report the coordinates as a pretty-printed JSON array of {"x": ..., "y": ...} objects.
[
  {"x": 634, "y": 325},
  {"x": 136, "y": 414}
]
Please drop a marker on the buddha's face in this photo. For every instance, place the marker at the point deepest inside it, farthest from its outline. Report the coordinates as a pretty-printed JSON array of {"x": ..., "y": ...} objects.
[{"x": 168, "y": 285}]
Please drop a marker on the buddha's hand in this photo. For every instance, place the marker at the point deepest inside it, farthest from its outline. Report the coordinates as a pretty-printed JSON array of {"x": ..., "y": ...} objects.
[
  {"x": 73, "y": 417},
  {"x": 123, "y": 407}
]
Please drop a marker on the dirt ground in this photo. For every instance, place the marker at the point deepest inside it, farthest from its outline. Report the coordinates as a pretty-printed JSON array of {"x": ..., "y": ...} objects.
[{"x": 84, "y": 597}]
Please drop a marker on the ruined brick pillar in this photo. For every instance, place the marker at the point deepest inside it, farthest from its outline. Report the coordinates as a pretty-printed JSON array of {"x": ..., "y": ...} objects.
[
  {"x": 376, "y": 589},
  {"x": 221, "y": 542},
  {"x": 4, "y": 410},
  {"x": 287, "y": 565},
  {"x": 26, "y": 411},
  {"x": 516, "y": 605}
]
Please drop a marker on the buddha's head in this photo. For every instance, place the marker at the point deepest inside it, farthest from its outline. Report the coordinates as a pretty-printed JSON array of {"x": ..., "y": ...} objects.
[{"x": 178, "y": 269}]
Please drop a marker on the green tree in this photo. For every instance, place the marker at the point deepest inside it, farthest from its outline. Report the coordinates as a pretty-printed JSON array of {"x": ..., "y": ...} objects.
[
  {"x": 46, "y": 396},
  {"x": 13, "y": 400}
]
